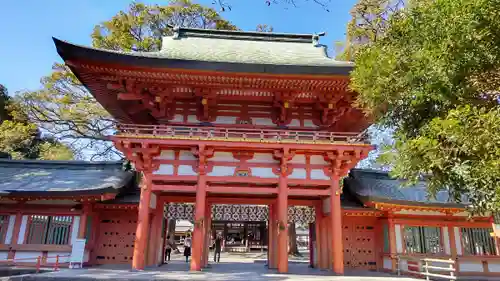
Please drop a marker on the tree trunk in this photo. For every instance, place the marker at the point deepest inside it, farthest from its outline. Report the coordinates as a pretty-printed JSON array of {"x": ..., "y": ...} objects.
[
  {"x": 292, "y": 238},
  {"x": 171, "y": 233}
]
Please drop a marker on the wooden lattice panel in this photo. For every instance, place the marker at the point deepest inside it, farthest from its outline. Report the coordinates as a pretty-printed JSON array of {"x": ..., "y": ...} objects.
[
  {"x": 359, "y": 243},
  {"x": 115, "y": 241}
]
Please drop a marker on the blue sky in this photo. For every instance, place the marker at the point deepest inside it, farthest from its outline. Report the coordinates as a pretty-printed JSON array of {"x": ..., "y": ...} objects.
[{"x": 27, "y": 51}]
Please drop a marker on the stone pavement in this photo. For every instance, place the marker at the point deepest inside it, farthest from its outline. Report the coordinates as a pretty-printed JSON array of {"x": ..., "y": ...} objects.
[{"x": 233, "y": 267}]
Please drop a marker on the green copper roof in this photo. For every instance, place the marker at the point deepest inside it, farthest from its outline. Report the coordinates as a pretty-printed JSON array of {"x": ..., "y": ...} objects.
[
  {"x": 378, "y": 186},
  {"x": 47, "y": 177},
  {"x": 247, "y": 47},
  {"x": 229, "y": 51}
]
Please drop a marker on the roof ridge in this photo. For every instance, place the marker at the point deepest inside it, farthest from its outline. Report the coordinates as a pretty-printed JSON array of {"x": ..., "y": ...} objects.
[
  {"x": 311, "y": 38},
  {"x": 60, "y": 162}
]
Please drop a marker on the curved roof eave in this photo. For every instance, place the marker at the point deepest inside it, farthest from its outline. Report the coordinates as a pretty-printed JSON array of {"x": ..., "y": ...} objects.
[{"x": 69, "y": 51}]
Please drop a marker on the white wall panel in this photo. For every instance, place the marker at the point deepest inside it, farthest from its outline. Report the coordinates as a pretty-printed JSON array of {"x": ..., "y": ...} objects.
[
  {"x": 399, "y": 239},
  {"x": 317, "y": 174},
  {"x": 166, "y": 155},
  {"x": 298, "y": 159},
  {"x": 298, "y": 174},
  {"x": 165, "y": 169},
  {"x": 262, "y": 158},
  {"x": 186, "y": 170},
  {"x": 22, "y": 231},
  {"x": 263, "y": 172},
  {"x": 225, "y": 120},
  {"x": 223, "y": 156},
  {"x": 75, "y": 228},
  {"x": 10, "y": 229},
  {"x": 446, "y": 238},
  {"x": 458, "y": 242},
  {"x": 262, "y": 121},
  {"x": 318, "y": 160},
  {"x": 222, "y": 171},
  {"x": 186, "y": 155},
  {"x": 294, "y": 123}
]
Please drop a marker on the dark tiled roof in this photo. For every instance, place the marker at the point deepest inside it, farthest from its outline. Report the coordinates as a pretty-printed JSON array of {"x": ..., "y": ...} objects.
[
  {"x": 378, "y": 186},
  {"x": 231, "y": 51},
  {"x": 33, "y": 176}
]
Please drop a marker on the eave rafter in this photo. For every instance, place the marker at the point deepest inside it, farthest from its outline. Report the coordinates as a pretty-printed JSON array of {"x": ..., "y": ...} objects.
[{"x": 393, "y": 207}]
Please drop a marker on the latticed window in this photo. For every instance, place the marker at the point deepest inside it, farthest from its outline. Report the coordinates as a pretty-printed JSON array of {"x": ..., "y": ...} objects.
[
  {"x": 55, "y": 230},
  {"x": 4, "y": 224},
  {"x": 386, "y": 238},
  {"x": 423, "y": 240},
  {"x": 478, "y": 241}
]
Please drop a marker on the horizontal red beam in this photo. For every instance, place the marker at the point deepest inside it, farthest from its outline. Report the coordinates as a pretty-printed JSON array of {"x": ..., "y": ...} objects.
[
  {"x": 309, "y": 192},
  {"x": 176, "y": 188},
  {"x": 242, "y": 190}
]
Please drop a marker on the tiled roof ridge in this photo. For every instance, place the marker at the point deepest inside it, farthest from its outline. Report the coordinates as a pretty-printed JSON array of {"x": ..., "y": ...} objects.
[
  {"x": 49, "y": 163},
  {"x": 180, "y": 32}
]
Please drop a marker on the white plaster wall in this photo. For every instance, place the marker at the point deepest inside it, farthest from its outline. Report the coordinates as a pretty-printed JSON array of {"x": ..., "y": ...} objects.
[
  {"x": 294, "y": 123},
  {"x": 166, "y": 155},
  {"x": 186, "y": 170},
  {"x": 446, "y": 238},
  {"x": 222, "y": 171},
  {"x": 263, "y": 172},
  {"x": 262, "y": 121},
  {"x": 309, "y": 123},
  {"x": 4, "y": 255},
  {"x": 403, "y": 265},
  {"x": 192, "y": 119},
  {"x": 225, "y": 120},
  {"x": 493, "y": 266},
  {"x": 223, "y": 156},
  {"x": 64, "y": 257},
  {"x": 387, "y": 263},
  {"x": 298, "y": 174},
  {"x": 399, "y": 239},
  {"x": 178, "y": 118},
  {"x": 75, "y": 229},
  {"x": 262, "y": 158},
  {"x": 298, "y": 159},
  {"x": 425, "y": 213},
  {"x": 22, "y": 230},
  {"x": 458, "y": 241},
  {"x": 29, "y": 256},
  {"x": 10, "y": 229},
  {"x": 471, "y": 266},
  {"x": 317, "y": 174},
  {"x": 186, "y": 155},
  {"x": 165, "y": 169},
  {"x": 152, "y": 202},
  {"x": 318, "y": 160}
]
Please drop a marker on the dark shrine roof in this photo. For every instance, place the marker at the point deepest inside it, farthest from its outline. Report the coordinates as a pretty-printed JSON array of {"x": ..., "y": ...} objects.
[
  {"x": 378, "y": 186},
  {"x": 61, "y": 177},
  {"x": 218, "y": 50}
]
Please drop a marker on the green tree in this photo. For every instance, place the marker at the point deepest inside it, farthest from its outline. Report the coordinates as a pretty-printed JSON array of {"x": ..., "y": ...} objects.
[
  {"x": 66, "y": 110},
  {"x": 433, "y": 76},
  {"x": 22, "y": 139}
]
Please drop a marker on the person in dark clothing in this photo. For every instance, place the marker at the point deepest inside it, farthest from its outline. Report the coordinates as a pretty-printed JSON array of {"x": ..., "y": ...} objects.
[
  {"x": 187, "y": 247},
  {"x": 168, "y": 248},
  {"x": 217, "y": 248}
]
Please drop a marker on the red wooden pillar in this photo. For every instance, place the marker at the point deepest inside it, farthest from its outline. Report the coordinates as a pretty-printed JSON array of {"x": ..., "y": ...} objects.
[
  {"x": 318, "y": 209},
  {"x": 272, "y": 234},
  {"x": 311, "y": 245},
  {"x": 392, "y": 242},
  {"x": 82, "y": 227},
  {"x": 324, "y": 260},
  {"x": 155, "y": 238},
  {"x": 141, "y": 234},
  {"x": 336, "y": 226},
  {"x": 207, "y": 226},
  {"x": 15, "y": 233},
  {"x": 198, "y": 239},
  {"x": 283, "y": 224}
]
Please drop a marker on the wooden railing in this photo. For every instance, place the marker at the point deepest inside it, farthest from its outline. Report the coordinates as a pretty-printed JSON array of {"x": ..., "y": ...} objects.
[
  {"x": 239, "y": 134},
  {"x": 427, "y": 268},
  {"x": 40, "y": 262}
]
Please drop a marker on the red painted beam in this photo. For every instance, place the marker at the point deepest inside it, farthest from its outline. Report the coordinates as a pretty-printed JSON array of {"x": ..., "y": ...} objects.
[
  {"x": 241, "y": 190},
  {"x": 308, "y": 192},
  {"x": 170, "y": 188}
]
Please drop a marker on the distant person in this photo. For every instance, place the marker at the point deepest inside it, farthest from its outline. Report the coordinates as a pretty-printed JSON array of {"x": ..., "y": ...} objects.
[
  {"x": 168, "y": 248},
  {"x": 217, "y": 249},
  {"x": 187, "y": 247}
]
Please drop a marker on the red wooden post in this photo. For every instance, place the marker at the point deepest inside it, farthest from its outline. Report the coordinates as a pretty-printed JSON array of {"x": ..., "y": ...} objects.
[
  {"x": 56, "y": 266},
  {"x": 38, "y": 264},
  {"x": 336, "y": 226},
  {"x": 141, "y": 233},
  {"x": 283, "y": 225}
]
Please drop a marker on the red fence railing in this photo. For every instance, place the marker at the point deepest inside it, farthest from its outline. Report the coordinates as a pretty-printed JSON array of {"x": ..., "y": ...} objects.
[
  {"x": 40, "y": 262},
  {"x": 243, "y": 134}
]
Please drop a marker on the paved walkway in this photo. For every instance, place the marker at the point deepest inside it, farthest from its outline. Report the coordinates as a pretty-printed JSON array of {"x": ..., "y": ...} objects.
[{"x": 233, "y": 267}]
